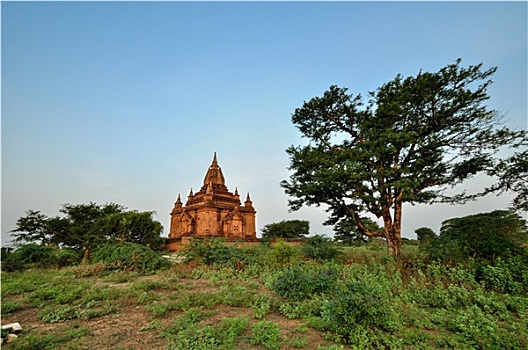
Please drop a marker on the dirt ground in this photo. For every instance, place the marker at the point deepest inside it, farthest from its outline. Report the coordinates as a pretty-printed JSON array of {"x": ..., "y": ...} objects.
[{"x": 128, "y": 328}]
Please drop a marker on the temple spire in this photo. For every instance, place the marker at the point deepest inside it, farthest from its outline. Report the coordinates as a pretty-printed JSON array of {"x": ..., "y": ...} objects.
[
  {"x": 248, "y": 202},
  {"x": 214, "y": 175},
  {"x": 215, "y": 162}
]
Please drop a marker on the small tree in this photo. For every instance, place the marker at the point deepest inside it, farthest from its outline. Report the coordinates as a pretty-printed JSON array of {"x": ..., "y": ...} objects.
[{"x": 286, "y": 229}]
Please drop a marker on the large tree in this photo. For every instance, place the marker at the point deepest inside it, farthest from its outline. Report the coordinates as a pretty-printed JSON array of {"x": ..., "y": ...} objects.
[{"x": 414, "y": 138}]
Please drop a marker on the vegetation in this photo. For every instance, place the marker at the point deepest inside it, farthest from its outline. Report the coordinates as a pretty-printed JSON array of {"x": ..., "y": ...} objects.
[
  {"x": 272, "y": 297},
  {"x": 415, "y": 138},
  {"x": 483, "y": 237},
  {"x": 84, "y": 227},
  {"x": 346, "y": 231},
  {"x": 286, "y": 229}
]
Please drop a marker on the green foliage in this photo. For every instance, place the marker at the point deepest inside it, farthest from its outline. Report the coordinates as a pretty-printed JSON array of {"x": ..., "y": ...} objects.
[
  {"x": 408, "y": 142},
  {"x": 484, "y": 237},
  {"x": 506, "y": 276},
  {"x": 320, "y": 248},
  {"x": 286, "y": 229},
  {"x": 355, "y": 304},
  {"x": 374, "y": 305},
  {"x": 261, "y": 305},
  {"x": 213, "y": 251},
  {"x": 34, "y": 255},
  {"x": 34, "y": 228},
  {"x": 346, "y": 231},
  {"x": 39, "y": 255},
  {"x": 87, "y": 226},
  {"x": 425, "y": 235},
  {"x": 282, "y": 253},
  {"x": 267, "y": 334},
  {"x": 130, "y": 257},
  {"x": 298, "y": 282}
]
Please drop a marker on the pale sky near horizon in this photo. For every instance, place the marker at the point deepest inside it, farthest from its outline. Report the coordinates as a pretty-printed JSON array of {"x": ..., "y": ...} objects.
[{"x": 126, "y": 102}]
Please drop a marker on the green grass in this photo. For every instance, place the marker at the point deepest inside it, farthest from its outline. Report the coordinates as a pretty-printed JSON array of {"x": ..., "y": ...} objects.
[{"x": 363, "y": 300}]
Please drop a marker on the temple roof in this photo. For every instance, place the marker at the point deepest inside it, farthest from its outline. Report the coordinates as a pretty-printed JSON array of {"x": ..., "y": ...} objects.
[{"x": 214, "y": 174}]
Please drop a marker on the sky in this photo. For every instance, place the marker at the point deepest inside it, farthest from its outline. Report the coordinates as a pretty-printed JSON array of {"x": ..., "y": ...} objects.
[{"x": 126, "y": 102}]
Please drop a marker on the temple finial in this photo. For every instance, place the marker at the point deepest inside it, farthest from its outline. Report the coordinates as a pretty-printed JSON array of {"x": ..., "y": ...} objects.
[
  {"x": 236, "y": 191},
  {"x": 178, "y": 201},
  {"x": 215, "y": 162},
  {"x": 191, "y": 194}
]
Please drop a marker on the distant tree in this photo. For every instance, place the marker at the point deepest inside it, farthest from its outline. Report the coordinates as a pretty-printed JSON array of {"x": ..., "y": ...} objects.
[
  {"x": 286, "y": 229},
  {"x": 33, "y": 228},
  {"x": 84, "y": 227},
  {"x": 425, "y": 235},
  {"x": 415, "y": 138},
  {"x": 484, "y": 237},
  {"x": 346, "y": 230}
]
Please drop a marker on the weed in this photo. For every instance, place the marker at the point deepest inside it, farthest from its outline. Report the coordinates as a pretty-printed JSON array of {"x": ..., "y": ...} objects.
[
  {"x": 261, "y": 305},
  {"x": 298, "y": 342},
  {"x": 299, "y": 282},
  {"x": 267, "y": 334}
]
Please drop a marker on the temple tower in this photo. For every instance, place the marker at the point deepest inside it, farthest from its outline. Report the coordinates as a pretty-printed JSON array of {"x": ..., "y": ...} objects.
[{"x": 213, "y": 211}]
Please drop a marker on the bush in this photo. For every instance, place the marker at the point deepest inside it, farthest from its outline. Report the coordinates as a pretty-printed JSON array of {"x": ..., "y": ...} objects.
[
  {"x": 29, "y": 254},
  {"x": 297, "y": 282},
  {"x": 282, "y": 253},
  {"x": 505, "y": 276},
  {"x": 266, "y": 333},
  {"x": 355, "y": 304},
  {"x": 213, "y": 252},
  {"x": 319, "y": 248},
  {"x": 130, "y": 257}
]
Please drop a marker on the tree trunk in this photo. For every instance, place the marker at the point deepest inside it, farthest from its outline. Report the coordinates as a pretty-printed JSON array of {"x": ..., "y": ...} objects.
[
  {"x": 86, "y": 255},
  {"x": 393, "y": 229}
]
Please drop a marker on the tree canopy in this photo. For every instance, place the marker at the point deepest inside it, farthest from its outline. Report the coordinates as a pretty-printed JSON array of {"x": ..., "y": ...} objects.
[
  {"x": 484, "y": 237},
  {"x": 413, "y": 139},
  {"x": 87, "y": 226},
  {"x": 286, "y": 229}
]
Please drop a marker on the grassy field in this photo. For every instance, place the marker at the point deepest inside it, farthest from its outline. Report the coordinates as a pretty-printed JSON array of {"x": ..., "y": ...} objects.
[{"x": 275, "y": 299}]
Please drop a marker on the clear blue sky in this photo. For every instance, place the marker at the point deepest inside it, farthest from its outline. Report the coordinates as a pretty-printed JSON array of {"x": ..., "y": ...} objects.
[{"x": 126, "y": 102}]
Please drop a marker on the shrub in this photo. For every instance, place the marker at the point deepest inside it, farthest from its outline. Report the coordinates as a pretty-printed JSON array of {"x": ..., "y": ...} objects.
[
  {"x": 297, "y": 282},
  {"x": 130, "y": 257},
  {"x": 355, "y": 304},
  {"x": 505, "y": 276},
  {"x": 266, "y": 333},
  {"x": 319, "y": 248},
  {"x": 213, "y": 252},
  {"x": 282, "y": 253},
  {"x": 39, "y": 255}
]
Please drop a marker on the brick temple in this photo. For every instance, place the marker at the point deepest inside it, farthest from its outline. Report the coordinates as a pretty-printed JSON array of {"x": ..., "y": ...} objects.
[{"x": 213, "y": 212}]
